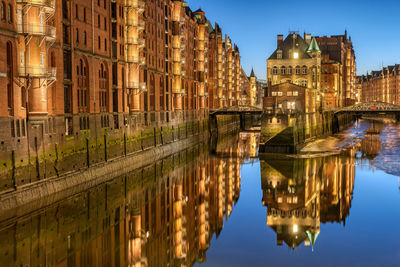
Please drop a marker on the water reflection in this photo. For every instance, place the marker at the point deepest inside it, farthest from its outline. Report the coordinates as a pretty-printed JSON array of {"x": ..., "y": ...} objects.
[
  {"x": 161, "y": 215},
  {"x": 301, "y": 193}
]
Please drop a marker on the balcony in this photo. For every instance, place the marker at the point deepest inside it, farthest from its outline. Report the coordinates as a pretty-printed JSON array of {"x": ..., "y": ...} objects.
[
  {"x": 38, "y": 30},
  {"x": 135, "y": 41},
  {"x": 48, "y": 5},
  {"x": 135, "y": 23},
  {"x": 37, "y": 72},
  {"x": 141, "y": 86},
  {"x": 136, "y": 60},
  {"x": 137, "y": 4}
]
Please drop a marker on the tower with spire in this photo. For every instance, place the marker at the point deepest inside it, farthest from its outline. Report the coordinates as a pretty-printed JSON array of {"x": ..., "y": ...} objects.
[{"x": 253, "y": 88}]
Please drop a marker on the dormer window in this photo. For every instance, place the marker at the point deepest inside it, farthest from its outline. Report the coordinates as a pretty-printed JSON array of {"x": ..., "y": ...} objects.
[{"x": 279, "y": 54}]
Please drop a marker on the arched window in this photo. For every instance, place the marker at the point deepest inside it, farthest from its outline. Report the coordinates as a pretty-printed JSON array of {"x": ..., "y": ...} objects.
[
  {"x": 103, "y": 91},
  {"x": 274, "y": 70},
  {"x": 283, "y": 70},
  {"x": 10, "y": 78},
  {"x": 304, "y": 70},
  {"x": 10, "y": 13},
  {"x": 161, "y": 93},
  {"x": 152, "y": 93},
  {"x": 3, "y": 11},
  {"x": 297, "y": 70},
  {"x": 83, "y": 86},
  {"x": 289, "y": 70}
]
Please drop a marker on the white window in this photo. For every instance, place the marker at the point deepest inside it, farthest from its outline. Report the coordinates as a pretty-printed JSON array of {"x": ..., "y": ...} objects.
[
  {"x": 42, "y": 60},
  {"x": 280, "y": 94},
  {"x": 273, "y": 93},
  {"x": 295, "y": 55},
  {"x": 295, "y": 93},
  {"x": 289, "y": 93}
]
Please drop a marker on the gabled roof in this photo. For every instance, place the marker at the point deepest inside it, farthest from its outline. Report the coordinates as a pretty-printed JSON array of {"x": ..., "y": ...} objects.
[{"x": 293, "y": 42}]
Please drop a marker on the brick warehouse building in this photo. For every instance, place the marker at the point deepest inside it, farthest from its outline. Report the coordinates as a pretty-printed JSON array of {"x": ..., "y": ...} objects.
[
  {"x": 382, "y": 86},
  {"x": 84, "y": 70}
]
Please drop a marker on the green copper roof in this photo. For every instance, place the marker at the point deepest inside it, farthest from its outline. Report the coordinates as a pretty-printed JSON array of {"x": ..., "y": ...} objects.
[
  {"x": 312, "y": 237},
  {"x": 313, "y": 46}
]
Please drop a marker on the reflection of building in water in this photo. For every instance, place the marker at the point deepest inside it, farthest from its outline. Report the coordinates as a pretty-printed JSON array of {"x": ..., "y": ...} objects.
[
  {"x": 248, "y": 144},
  {"x": 370, "y": 144},
  {"x": 243, "y": 146},
  {"x": 161, "y": 215},
  {"x": 301, "y": 193}
]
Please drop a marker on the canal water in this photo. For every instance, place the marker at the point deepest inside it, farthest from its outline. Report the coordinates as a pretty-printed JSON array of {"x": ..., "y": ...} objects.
[{"x": 219, "y": 204}]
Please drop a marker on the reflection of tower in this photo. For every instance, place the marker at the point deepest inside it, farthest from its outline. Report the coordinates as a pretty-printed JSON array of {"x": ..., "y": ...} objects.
[
  {"x": 179, "y": 220},
  {"x": 135, "y": 239},
  {"x": 202, "y": 210},
  {"x": 291, "y": 193},
  {"x": 299, "y": 194}
]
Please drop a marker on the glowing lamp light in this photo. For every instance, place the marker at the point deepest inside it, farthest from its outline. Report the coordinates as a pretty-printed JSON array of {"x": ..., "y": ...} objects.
[
  {"x": 295, "y": 228},
  {"x": 295, "y": 55}
]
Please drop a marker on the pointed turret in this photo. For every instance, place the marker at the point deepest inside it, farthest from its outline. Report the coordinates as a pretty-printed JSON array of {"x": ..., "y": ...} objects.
[
  {"x": 313, "y": 46},
  {"x": 252, "y": 73}
]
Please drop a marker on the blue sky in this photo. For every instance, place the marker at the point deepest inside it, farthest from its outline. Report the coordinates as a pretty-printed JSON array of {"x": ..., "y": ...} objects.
[{"x": 374, "y": 27}]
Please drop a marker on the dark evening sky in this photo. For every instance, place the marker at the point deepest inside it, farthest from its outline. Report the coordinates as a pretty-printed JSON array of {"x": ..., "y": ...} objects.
[{"x": 374, "y": 27}]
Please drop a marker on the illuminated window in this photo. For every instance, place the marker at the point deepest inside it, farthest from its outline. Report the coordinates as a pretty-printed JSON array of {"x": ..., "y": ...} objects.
[
  {"x": 295, "y": 55},
  {"x": 283, "y": 70},
  {"x": 280, "y": 93},
  {"x": 295, "y": 93},
  {"x": 297, "y": 70},
  {"x": 289, "y": 93},
  {"x": 304, "y": 70},
  {"x": 273, "y": 93}
]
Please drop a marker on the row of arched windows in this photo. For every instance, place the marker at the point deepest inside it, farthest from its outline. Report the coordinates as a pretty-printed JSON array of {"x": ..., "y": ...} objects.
[
  {"x": 9, "y": 12},
  {"x": 289, "y": 70}
]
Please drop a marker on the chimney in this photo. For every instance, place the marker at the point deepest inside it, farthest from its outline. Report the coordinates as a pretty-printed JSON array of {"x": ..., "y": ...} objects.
[
  {"x": 307, "y": 38},
  {"x": 280, "y": 39}
]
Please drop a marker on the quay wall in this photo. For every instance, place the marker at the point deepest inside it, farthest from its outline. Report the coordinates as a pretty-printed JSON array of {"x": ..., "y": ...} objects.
[
  {"x": 89, "y": 159},
  {"x": 288, "y": 133}
]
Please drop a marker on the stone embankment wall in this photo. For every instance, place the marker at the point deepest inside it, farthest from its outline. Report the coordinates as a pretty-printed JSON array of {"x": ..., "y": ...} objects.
[
  {"x": 288, "y": 133},
  {"x": 87, "y": 162}
]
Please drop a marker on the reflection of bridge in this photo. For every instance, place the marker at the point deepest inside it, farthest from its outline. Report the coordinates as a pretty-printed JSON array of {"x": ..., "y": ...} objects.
[
  {"x": 371, "y": 108},
  {"x": 236, "y": 110}
]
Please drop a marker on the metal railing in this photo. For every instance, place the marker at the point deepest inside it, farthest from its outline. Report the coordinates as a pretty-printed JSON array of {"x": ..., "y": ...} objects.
[
  {"x": 43, "y": 3},
  {"x": 37, "y": 72},
  {"x": 139, "y": 4},
  {"x": 135, "y": 23},
  {"x": 136, "y": 59},
  {"x": 37, "y": 29},
  {"x": 135, "y": 41}
]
